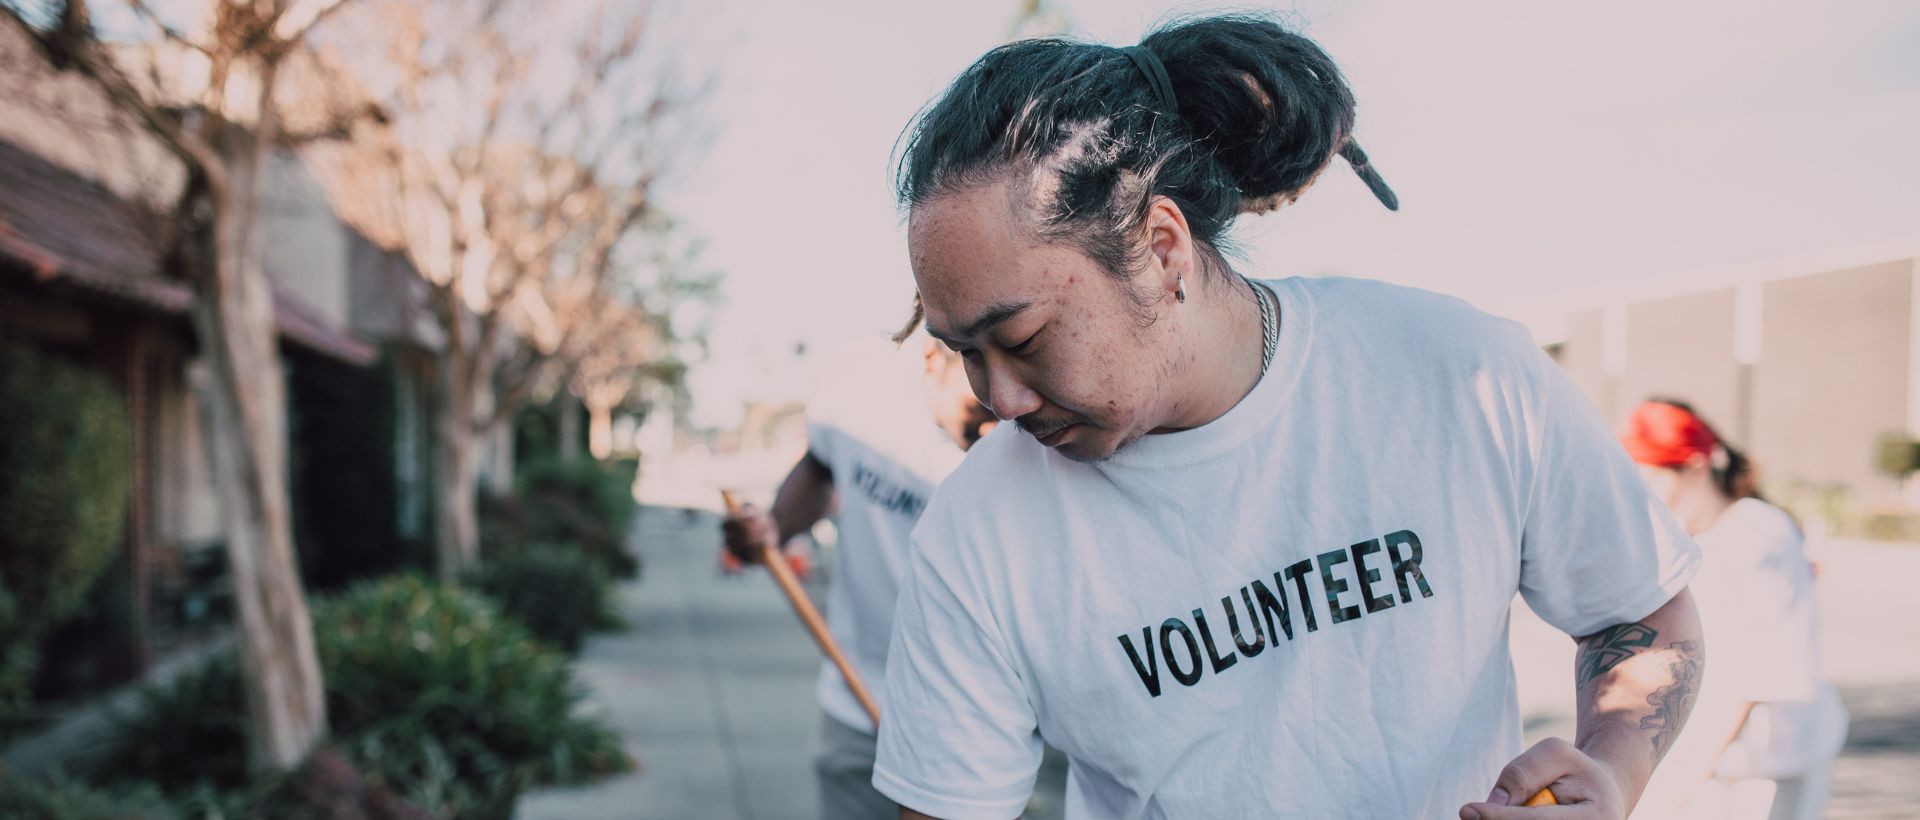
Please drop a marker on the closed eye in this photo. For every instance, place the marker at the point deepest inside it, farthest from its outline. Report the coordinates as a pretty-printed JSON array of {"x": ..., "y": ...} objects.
[{"x": 1024, "y": 346}]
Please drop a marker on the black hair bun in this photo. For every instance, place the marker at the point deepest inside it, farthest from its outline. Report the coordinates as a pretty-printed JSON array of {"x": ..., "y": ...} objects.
[{"x": 1269, "y": 104}]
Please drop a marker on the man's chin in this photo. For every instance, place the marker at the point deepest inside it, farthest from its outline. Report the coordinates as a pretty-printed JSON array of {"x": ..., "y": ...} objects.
[{"x": 1085, "y": 449}]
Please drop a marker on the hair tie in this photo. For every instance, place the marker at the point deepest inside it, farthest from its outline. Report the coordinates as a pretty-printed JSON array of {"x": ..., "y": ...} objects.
[{"x": 1156, "y": 73}]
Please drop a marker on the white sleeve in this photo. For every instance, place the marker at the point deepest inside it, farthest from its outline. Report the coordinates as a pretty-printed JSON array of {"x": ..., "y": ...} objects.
[
  {"x": 958, "y": 739},
  {"x": 820, "y": 440},
  {"x": 1597, "y": 548}
]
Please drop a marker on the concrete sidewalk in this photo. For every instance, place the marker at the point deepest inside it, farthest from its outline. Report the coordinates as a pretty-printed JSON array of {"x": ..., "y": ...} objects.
[{"x": 711, "y": 689}]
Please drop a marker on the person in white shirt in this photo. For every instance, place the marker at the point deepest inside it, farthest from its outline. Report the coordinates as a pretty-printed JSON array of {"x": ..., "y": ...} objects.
[
  {"x": 884, "y": 427},
  {"x": 1767, "y": 727},
  {"x": 1249, "y": 547}
]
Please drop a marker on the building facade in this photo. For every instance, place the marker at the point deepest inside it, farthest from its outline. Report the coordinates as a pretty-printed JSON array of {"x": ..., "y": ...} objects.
[{"x": 1807, "y": 363}]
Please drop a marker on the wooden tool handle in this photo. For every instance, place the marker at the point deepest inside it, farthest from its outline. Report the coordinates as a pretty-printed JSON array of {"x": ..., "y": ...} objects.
[
  {"x": 1544, "y": 798},
  {"x": 810, "y": 617}
]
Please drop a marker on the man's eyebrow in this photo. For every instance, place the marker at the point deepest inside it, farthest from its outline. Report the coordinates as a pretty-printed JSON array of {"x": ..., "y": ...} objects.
[{"x": 993, "y": 315}]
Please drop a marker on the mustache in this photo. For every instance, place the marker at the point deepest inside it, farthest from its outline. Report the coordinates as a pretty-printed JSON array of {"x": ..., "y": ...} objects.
[{"x": 1040, "y": 427}]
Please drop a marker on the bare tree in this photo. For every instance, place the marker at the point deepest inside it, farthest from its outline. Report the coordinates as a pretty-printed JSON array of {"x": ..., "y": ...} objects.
[
  {"x": 515, "y": 173},
  {"x": 608, "y": 345},
  {"x": 214, "y": 99},
  {"x": 627, "y": 347}
]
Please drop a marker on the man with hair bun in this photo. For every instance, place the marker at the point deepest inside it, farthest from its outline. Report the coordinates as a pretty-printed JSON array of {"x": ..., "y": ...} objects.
[{"x": 1248, "y": 548}]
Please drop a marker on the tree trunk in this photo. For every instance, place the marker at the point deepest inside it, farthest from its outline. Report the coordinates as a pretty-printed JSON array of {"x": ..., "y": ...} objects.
[
  {"x": 238, "y": 381},
  {"x": 500, "y": 455},
  {"x": 456, "y": 519},
  {"x": 600, "y": 431},
  {"x": 568, "y": 429}
]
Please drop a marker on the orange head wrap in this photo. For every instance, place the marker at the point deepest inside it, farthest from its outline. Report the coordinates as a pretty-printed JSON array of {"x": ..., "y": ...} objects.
[{"x": 1662, "y": 435}]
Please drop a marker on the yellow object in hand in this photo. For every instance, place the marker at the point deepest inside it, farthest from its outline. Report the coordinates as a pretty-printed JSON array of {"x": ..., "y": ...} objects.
[{"x": 1544, "y": 798}]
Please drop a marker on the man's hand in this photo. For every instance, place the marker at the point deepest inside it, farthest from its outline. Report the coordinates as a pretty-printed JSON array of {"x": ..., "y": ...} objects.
[
  {"x": 1584, "y": 787},
  {"x": 748, "y": 534},
  {"x": 805, "y": 497}
]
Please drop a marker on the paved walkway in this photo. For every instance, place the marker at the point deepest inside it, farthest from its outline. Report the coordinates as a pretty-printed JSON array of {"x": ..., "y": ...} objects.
[{"x": 712, "y": 688}]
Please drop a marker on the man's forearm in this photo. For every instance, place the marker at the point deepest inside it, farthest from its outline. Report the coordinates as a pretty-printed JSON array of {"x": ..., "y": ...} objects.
[
  {"x": 1636, "y": 685},
  {"x": 805, "y": 497}
]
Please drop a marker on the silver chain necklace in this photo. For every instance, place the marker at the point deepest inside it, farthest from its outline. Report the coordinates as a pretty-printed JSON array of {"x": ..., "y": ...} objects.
[{"x": 1269, "y": 324}]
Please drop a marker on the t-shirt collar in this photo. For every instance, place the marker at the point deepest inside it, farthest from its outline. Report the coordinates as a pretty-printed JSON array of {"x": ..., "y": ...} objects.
[{"x": 1258, "y": 407}]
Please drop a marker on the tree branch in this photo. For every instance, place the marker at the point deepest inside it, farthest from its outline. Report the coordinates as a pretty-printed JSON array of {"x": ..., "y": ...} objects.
[
  {"x": 83, "y": 54},
  {"x": 291, "y": 28},
  {"x": 338, "y": 129},
  {"x": 146, "y": 12},
  {"x": 513, "y": 392}
]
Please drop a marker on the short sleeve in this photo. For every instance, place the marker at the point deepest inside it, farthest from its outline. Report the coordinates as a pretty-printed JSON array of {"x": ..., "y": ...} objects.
[
  {"x": 959, "y": 738},
  {"x": 1597, "y": 548},
  {"x": 820, "y": 441}
]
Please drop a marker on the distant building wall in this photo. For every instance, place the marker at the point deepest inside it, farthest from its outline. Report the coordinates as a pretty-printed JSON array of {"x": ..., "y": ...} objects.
[
  {"x": 187, "y": 506},
  {"x": 1580, "y": 356},
  {"x": 306, "y": 246},
  {"x": 1682, "y": 348},
  {"x": 1833, "y": 373},
  {"x": 1829, "y": 366}
]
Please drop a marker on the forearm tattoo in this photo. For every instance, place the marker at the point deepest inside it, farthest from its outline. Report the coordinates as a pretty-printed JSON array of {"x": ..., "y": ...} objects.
[
  {"x": 1608, "y": 648},
  {"x": 1673, "y": 702}
]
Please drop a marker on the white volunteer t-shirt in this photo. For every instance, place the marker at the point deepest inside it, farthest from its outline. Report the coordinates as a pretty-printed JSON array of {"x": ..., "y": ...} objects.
[
  {"x": 869, "y": 423},
  {"x": 1756, "y": 598},
  {"x": 1297, "y": 610}
]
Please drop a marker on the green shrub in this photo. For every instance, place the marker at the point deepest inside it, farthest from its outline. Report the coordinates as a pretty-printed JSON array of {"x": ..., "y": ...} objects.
[
  {"x": 1897, "y": 455},
  {"x": 559, "y": 593},
  {"x": 1885, "y": 526},
  {"x": 329, "y": 786},
  {"x": 17, "y": 659},
  {"x": 583, "y": 503},
  {"x": 536, "y": 430},
  {"x": 1841, "y": 512},
  {"x": 190, "y": 733},
  {"x": 452, "y": 704},
  {"x": 62, "y": 799},
  {"x": 65, "y": 466},
  {"x": 606, "y": 488},
  {"x": 432, "y": 694}
]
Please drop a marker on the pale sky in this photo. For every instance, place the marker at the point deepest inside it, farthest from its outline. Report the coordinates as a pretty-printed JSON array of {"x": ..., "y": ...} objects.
[{"x": 1543, "y": 153}]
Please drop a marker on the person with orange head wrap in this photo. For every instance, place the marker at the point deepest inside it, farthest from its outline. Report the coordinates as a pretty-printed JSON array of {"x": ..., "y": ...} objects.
[{"x": 1767, "y": 727}]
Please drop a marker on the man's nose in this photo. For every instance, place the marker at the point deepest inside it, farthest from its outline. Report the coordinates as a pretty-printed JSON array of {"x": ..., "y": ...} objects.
[{"x": 1005, "y": 394}]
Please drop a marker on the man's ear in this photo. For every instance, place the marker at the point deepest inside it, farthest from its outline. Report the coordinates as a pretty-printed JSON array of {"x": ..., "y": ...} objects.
[{"x": 1170, "y": 241}]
